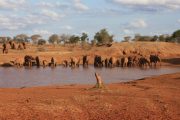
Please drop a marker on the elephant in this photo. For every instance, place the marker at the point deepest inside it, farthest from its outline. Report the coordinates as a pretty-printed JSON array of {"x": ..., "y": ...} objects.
[
  {"x": 98, "y": 62},
  {"x": 53, "y": 62},
  {"x": 18, "y": 62},
  {"x": 124, "y": 62},
  {"x": 144, "y": 61},
  {"x": 5, "y": 48},
  {"x": 37, "y": 61},
  {"x": 44, "y": 63},
  {"x": 29, "y": 61},
  {"x": 20, "y": 46},
  {"x": 124, "y": 52},
  {"x": 135, "y": 60},
  {"x": 154, "y": 59},
  {"x": 130, "y": 61},
  {"x": 112, "y": 62},
  {"x": 85, "y": 61},
  {"x": 118, "y": 62},
  {"x": 24, "y": 45},
  {"x": 65, "y": 63},
  {"x": 74, "y": 62},
  {"x": 12, "y": 44},
  {"x": 106, "y": 62}
]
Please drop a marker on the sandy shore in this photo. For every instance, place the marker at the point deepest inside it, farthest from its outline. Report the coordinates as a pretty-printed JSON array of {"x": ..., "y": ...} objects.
[{"x": 155, "y": 98}]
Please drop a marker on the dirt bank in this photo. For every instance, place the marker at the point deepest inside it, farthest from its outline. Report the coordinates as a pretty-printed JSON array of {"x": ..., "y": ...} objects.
[{"x": 156, "y": 98}]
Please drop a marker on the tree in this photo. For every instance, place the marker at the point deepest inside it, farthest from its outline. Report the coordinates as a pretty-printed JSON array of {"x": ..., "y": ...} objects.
[
  {"x": 41, "y": 42},
  {"x": 74, "y": 39},
  {"x": 103, "y": 37},
  {"x": 54, "y": 39},
  {"x": 127, "y": 38},
  {"x": 3, "y": 39},
  {"x": 21, "y": 38},
  {"x": 137, "y": 37},
  {"x": 84, "y": 37},
  {"x": 35, "y": 38},
  {"x": 176, "y": 36},
  {"x": 155, "y": 38},
  {"x": 93, "y": 42},
  {"x": 65, "y": 38},
  {"x": 162, "y": 38}
]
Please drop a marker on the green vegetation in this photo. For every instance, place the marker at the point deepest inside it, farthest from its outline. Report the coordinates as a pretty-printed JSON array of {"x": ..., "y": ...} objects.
[
  {"x": 54, "y": 39},
  {"x": 103, "y": 37},
  {"x": 35, "y": 38},
  {"x": 41, "y": 42},
  {"x": 175, "y": 37}
]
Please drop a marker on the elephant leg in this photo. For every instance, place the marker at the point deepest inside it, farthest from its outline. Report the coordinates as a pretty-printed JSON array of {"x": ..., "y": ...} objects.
[
  {"x": 30, "y": 64},
  {"x": 159, "y": 63},
  {"x": 155, "y": 64}
]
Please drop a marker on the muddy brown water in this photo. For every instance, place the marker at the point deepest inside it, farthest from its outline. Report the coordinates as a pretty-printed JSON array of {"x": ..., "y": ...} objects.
[{"x": 24, "y": 77}]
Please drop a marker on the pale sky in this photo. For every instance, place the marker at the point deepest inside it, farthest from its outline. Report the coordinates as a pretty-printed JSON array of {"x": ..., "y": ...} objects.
[{"x": 120, "y": 17}]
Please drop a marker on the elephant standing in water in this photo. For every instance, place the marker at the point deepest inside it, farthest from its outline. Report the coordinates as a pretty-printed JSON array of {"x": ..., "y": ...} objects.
[
  {"x": 29, "y": 61},
  {"x": 37, "y": 61},
  {"x": 44, "y": 63},
  {"x": 144, "y": 62},
  {"x": 74, "y": 62},
  {"x": 106, "y": 62},
  {"x": 53, "y": 62},
  {"x": 85, "y": 61},
  {"x": 112, "y": 62},
  {"x": 130, "y": 61},
  {"x": 65, "y": 63},
  {"x": 155, "y": 59},
  {"x": 135, "y": 60},
  {"x": 98, "y": 62},
  {"x": 124, "y": 62}
]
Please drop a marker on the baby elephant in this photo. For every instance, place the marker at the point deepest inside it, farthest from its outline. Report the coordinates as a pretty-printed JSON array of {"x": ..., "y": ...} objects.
[
  {"x": 65, "y": 63},
  {"x": 74, "y": 62}
]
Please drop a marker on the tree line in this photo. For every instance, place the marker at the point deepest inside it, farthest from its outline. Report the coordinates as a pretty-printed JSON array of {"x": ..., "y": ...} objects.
[
  {"x": 174, "y": 37},
  {"x": 101, "y": 37}
]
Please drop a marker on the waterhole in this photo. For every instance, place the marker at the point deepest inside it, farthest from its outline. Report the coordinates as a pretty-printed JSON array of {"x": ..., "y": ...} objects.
[{"x": 25, "y": 77}]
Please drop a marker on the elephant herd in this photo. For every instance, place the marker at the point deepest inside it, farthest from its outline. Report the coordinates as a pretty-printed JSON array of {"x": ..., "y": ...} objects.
[
  {"x": 30, "y": 61},
  {"x": 127, "y": 61},
  {"x": 13, "y": 45},
  {"x": 99, "y": 61}
]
